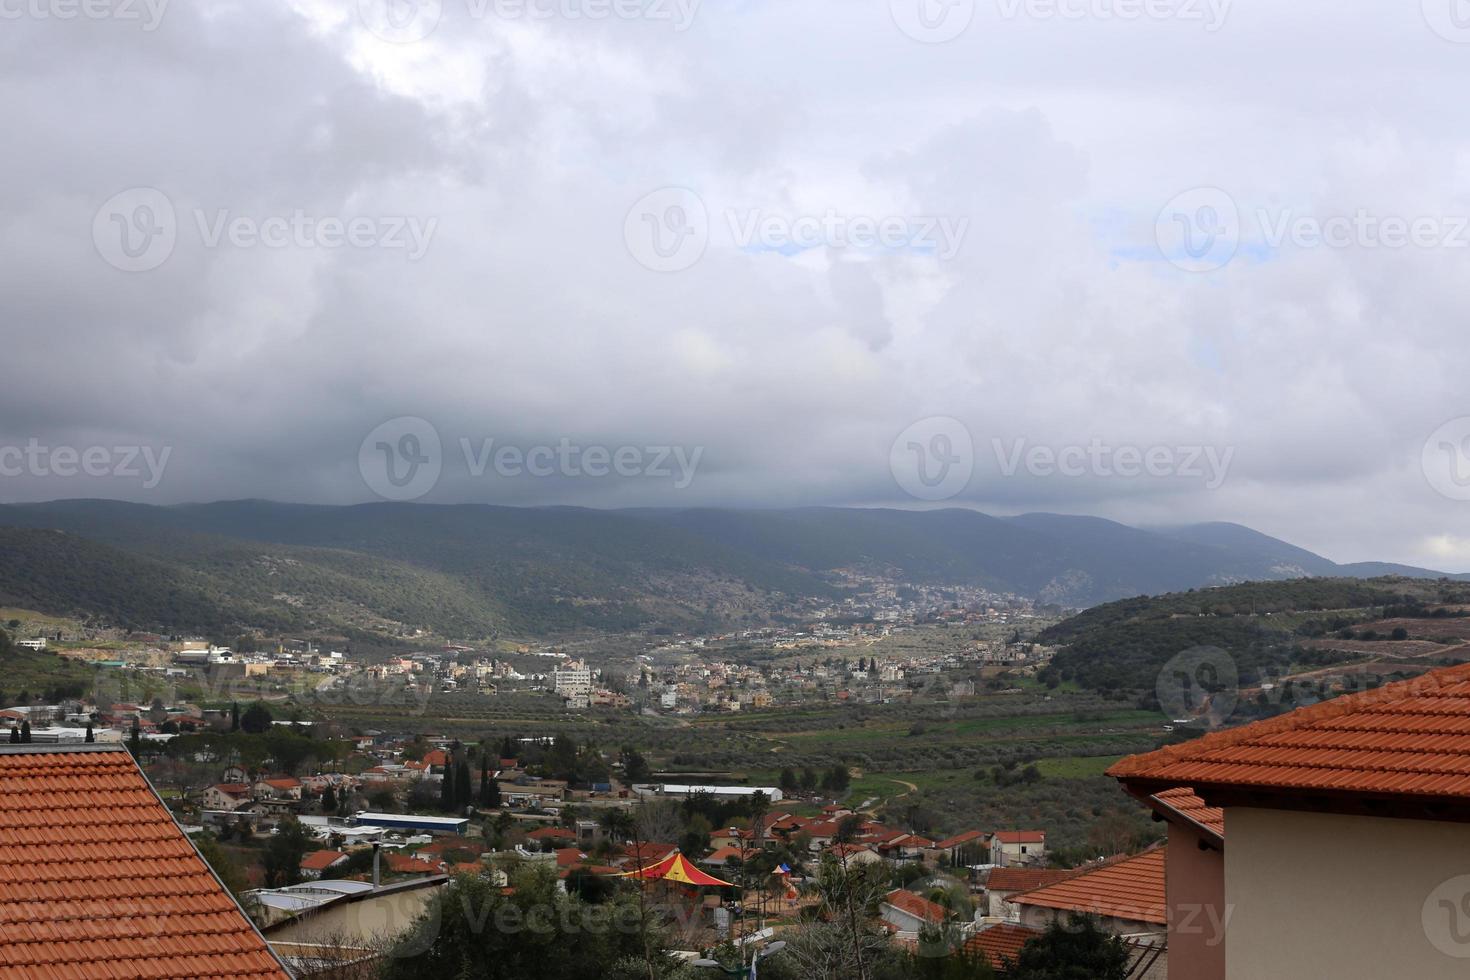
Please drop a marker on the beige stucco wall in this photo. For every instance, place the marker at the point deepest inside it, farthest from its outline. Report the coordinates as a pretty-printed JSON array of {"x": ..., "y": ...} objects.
[{"x": 1318, "y": 895}]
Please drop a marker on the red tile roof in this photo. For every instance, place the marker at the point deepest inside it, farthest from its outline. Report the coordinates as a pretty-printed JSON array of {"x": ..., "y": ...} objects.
[
  {"x": 1021, "y": 836},
  {"x": 97, "y": 880},
  {"x": 552, "y": 833},
  {"x": 959, "y": 840},
  {"x": 1130, "y": 888},
  {"x": 1000, "y": 943},
  {"x": 1406, "y": 739},
  {"x": 1025, "y": 879},
  {"x": 917, "y": 906},
  {"x": 1184, "y": 804},
  {"x": 404, "y": 864},
  {"x": 321, "y": 860}
]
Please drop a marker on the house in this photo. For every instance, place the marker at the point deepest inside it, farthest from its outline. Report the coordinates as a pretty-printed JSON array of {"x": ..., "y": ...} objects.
[
  {"x": 907, "y": 914},
  {"x": 962, "y": 848},
  {"x": 1003, "y": 883},
  {"x": 1127, "y": 896},
  {"x": 854, "y": 854},
  {"x": 313, "y": 864},
  {"x": 227, "y": 797},
  {"x": 1009, "y": 848},
  {"x": 112, "y": 888},
  {"x": 284, "y": 788},
  {"x": 1383, "y": 774}
]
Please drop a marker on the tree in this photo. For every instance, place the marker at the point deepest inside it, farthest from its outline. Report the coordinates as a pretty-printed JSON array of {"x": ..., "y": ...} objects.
[
  {"x": 257, "y": 719},
  {"x": 1075, "y": 950},
  {"x": 446, "y": 788},
  {"x": 234, "y": 716},
  {"x": 225, "y": 866},
  {"x": 635, "y": 766},
  {"x": 462, "y": 787},
  {"x": 14, "y": 735},
  {"x": 788, "y": 782},
  {"x": 489, "y": 788},
  {"x": 25, "y": 731},
  {"x": 282, "y": 857},
  {"x": 329, "y": 799},
  {"x": 91, "y": 736},
  {"x": 461, "y": 934},
  {"x": 809, "y": 779}
]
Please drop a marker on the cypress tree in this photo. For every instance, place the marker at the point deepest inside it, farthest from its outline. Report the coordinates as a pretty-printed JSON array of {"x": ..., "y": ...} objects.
[
  {"x": 462, "y": 784},
  {"x": 90, "y": 737},
  {"x": 234, "y": 716},
  {"x": 25, "y": 732},
  {"x": 14, "y": 736}
]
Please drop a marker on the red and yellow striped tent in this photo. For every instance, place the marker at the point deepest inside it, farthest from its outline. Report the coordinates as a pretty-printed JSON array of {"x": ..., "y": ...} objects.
[{"x": 677, "y": 868}]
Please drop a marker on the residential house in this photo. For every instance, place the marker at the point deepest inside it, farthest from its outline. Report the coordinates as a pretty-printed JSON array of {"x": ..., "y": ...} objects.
[
  {"x": 1002, "y": 883},
  {"x": 908, "y": 914},
  {"x": 313, "y": 864},
  {"x": 228, "y": 797},
  {"x": 112, "y": 888},
  {"x": 970, "y": 847},
  {"x": 1381, "y": 777},
  {"x": 1009, "y": 848},
  {"x": 282, "y": 788}
]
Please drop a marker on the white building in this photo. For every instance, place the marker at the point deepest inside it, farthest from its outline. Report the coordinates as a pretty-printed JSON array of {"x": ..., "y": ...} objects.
[{"x": 574, "y": 681}]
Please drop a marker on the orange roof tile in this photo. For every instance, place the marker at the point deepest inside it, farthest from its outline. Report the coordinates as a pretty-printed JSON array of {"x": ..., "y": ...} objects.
[
  {"x": 1130, "y": 888},
  {"x": 1001, "y": 943},
  {"x": 1025, "y": 879},
  {"x": 321, "y": 860},
  {"x": 97, "y": 880},
  {"x": 917, "y": 906},
  {"x": 1411, "y": 738},
  {"x": 958, "y": 840},
  {"x": 1021, "y": 836},
  {"x": 1183, "y": 803}
]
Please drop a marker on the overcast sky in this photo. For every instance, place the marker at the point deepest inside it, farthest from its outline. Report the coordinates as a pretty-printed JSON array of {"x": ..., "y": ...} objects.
[{"x": 1084, "y": 256}]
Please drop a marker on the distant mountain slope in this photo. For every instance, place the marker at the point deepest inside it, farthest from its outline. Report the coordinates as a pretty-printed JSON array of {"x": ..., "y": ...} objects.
[{"x": 476, "y": 570}]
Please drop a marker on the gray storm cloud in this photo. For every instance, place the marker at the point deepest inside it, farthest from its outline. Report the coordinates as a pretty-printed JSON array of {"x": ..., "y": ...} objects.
[{"x": 782, "y": 306}]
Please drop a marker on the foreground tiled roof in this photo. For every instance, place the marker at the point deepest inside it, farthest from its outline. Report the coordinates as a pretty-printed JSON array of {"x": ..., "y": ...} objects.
[
  {"x": 97, "y": 880},
  {"x": 1184, "y": 803},
  {"x": 1132, "y": 888},
  {"x": 1000, "y": 943},
  {"x": 1411, "y": 739}
]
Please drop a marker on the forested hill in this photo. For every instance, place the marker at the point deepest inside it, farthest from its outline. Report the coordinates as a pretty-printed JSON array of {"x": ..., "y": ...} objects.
[
  {"x": 472, "y": 571},
  {"x": 1268, "y": 629}
]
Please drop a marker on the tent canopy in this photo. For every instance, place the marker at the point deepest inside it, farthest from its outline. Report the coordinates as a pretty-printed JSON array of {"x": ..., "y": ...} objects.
[{"x": 676, "y": 867}]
